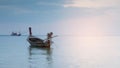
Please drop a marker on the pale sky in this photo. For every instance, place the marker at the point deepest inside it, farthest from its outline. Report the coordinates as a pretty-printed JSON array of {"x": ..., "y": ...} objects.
[{"x": 71, "y": 17}]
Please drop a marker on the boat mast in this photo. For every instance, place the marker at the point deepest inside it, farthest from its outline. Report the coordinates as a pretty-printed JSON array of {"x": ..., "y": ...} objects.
[{"x": 30, "y": 31}]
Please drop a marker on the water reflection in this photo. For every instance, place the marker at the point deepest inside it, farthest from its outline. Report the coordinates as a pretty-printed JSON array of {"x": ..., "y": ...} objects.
[{"x": 40, "y": 57}]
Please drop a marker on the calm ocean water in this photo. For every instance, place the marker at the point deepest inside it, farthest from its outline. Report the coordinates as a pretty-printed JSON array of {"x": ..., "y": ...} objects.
[{"x": 66, "y": 52}]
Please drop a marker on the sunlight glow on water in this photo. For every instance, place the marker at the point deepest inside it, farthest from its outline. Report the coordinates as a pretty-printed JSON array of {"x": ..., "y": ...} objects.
[{"x": 66, "y": 52}]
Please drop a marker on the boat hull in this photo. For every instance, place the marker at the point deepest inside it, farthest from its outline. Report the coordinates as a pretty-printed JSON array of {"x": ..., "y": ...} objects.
[{"x": 37, "y": 42}]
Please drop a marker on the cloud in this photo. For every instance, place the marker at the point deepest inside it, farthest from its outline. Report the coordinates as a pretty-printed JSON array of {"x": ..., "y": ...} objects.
[
  {"x": 58, "y": 4},
  {"x": 16, "y": 10},
  {"x": 3, "y": 0},
  {"x": 93, "y": 3}
]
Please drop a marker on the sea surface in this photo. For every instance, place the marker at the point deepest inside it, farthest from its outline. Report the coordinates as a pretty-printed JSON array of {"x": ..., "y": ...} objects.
[{"x": 65, "y": 52}]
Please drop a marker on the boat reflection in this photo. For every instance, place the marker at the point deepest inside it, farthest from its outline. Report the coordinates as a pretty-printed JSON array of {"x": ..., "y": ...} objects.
[{"x": 40, "y": 57}]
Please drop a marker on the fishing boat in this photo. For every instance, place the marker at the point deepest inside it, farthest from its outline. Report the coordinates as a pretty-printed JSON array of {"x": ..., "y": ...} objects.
[
  {"x": 15, "y": 34},
  {"x": 38, "y": 42}
]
